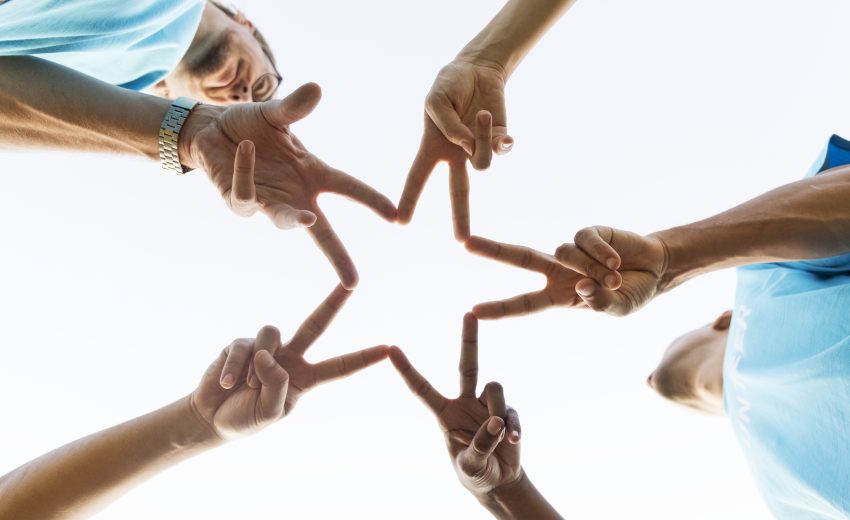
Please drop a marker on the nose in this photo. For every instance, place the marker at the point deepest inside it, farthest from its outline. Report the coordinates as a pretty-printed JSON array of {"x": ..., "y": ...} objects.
[{"x": 239, "y": 93}]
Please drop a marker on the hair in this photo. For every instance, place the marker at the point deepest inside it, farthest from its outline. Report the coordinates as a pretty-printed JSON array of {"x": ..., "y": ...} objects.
[{"x": 231, "y": 11}]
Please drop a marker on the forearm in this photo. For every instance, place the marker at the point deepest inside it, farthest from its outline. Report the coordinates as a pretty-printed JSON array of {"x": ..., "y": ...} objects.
[
  {"x": 50, "y": 106},
  {"x": 512, "y": 33},
  {"x": 519, "y": 501},
  {"x": 803, "y": 220},
  {"x": 82, "y": 477}
]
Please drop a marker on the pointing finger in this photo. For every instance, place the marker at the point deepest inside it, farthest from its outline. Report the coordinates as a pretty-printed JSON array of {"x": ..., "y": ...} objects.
[
  {"x": 416, "y": 382},
  {"x": 420, "y": 170},
  {"x": 330, "y": 244},
  {"x": 459, "y": 190},
  {"x": 318, "y": 321},
  {"x": 347, "y": 364},
  {"x": 344, "y": 184}
]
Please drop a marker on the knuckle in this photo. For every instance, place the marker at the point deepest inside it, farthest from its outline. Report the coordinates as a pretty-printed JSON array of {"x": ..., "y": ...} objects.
[
  {"x": 494, "y": 386},
  {"x": 268, "y": 330},
  {"x": 563, "y": 251}
]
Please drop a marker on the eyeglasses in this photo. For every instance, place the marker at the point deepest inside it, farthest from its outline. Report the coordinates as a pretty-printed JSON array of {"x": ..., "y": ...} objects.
[{"x": 266, "y": 85}]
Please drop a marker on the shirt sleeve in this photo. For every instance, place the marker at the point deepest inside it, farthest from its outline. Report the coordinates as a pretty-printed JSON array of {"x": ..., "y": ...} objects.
[{"x": 133, "y": 44}]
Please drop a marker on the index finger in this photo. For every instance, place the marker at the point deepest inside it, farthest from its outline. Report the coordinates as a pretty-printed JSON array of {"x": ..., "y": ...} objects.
[
  {"x": 318, "y": 321},
  {"x": 469, "y": 356},
  {"x": 517, "y": 306},
  {"x": 518, "y": 256},
  {"x": 459, "y": 190},
  {"x": 347, "y": 364},
  {"x": 330, "y": 244},
  {"x": 417, "y": 384},
  {"x": 344, "y": 184},
  {"x": 419, "y": 173}
]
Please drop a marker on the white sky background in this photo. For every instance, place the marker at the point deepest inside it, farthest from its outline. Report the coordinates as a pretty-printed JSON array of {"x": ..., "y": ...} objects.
[{"x": 119, "y": 283}]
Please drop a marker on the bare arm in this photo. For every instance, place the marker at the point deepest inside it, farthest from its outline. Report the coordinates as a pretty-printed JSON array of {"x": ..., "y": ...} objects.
[
  {"x": 803, "y": 220},
  {"x": 514, "y": 31},
  {"x": 80, "y": 478},
  {"x": 50, "y": 106}
]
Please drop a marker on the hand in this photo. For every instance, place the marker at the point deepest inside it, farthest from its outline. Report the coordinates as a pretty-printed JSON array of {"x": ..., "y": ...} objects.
[
  {"x": 465, "y": 117},
  {"x": 474, "y": 427},
  {"x": 255, "y": 382},
  {"x": 257, "y": 164},
  {"x": 561, "y": 282},
  {"x": 641, "y": 261}
]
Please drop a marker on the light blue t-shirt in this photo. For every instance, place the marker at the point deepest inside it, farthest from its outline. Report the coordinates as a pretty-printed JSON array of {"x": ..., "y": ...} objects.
[
  {"x": 129, "y": 43},
  {"x": 786, "y": 377}
]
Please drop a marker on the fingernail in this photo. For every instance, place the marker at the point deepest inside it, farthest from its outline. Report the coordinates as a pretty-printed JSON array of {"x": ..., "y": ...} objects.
[
  {"x": 467, "y": 147},
  {"x": 227, "y": 381},
  {"x": 506, "y": 144},
  {"x": 611, "y": 263},
  {"x": 584, "y": 291},
  {"x": 611, "y": 280},
  {"x": 484, "y": 118},
  {"x": 514, "y": 437},
  {"x": 494, "y": 426},
  {"x": 246, "y": 146}
]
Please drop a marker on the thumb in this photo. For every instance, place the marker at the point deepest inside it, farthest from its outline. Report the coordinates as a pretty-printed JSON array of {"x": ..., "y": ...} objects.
[
  {"x": 293, "y": 107},
  {"x": 275, "y": 383},
  {"x": 488, "y": 436}
]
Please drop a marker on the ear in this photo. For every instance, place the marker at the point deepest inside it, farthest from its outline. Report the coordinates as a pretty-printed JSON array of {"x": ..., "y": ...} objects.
[
  {"x": 723, "y": 321},
  {"x": 161, "y": 89}
]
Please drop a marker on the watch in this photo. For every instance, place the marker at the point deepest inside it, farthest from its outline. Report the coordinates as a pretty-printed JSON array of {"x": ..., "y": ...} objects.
[{"x": 169, "y": 133}]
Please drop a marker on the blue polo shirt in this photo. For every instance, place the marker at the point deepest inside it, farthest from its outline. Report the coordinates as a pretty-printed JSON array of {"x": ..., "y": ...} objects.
[
  {"x": 786, "y": 377},
  {"x": 129, "y": 43}
]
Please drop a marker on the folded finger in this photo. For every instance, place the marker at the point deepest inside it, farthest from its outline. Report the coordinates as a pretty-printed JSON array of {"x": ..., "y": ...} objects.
[
  {"x": 268, "y": 339},
  {"x": 517, "y": 306},
  {"x": 274, "y": 381},
  {"x": 344, "y": 184},
  {"x": 600, "y": 299},
  {"x": 494, "y": 397},
  {"x": 243, "y": 193},
  {"x": 347, "y": 364},
  {"x": 595, "y": 242},
  {"x": 513, "y": 427},
  {"x": 238, "y": 355},
  {"x": 319, "y": 320},
  {"x": 416, "y": 382},
  {"x": 442, "y": 112},
  {"x": 570, "y": 256},
  {"x": 483, "y": 137},
  {"x": 517, "y": 256},
  {"x": 330, "y": 244}
]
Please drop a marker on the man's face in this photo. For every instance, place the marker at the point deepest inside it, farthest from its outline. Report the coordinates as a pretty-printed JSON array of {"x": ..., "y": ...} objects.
[
  {"x": 225, "y": 64},
  {"x": 691, "y": 371}
]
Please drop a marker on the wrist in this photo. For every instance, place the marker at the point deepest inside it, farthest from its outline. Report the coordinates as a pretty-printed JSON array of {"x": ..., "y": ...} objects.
[
  {"x": 201, "y": 117},
  {"x": 683, "y": 257},
  {"x": 191, "y": 429},
  {"x": 506, "y": 499},
  {"x": 487, "y": 58}
]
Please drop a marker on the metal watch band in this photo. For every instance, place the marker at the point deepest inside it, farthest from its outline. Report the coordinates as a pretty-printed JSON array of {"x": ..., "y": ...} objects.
[{"x": 169, "y": 131}]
